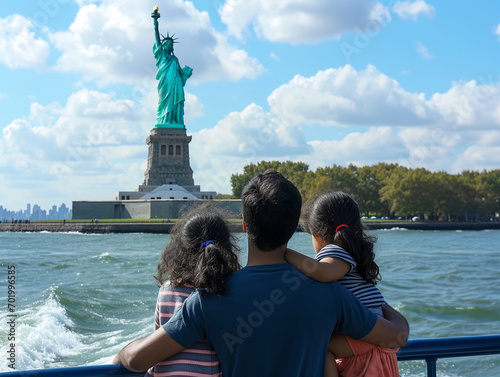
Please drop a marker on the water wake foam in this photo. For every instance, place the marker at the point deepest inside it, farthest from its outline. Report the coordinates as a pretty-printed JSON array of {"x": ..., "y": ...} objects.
[
  {"x": 393, "y": 229},
  {"x": 43, "y": 335}
]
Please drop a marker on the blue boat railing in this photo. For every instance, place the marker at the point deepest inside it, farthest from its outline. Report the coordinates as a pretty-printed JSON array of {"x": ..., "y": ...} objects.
[
  {"x": 111, "y": 370},
  {"x": 429, "y": 350}
]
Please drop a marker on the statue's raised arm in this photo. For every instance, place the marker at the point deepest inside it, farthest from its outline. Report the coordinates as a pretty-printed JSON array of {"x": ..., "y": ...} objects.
[
  {"x": 171, "y": 80},
  {"x": 155, "y": 15}
]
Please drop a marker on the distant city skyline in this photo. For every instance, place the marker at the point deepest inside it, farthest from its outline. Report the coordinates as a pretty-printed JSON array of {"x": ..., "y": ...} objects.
[{"x": 63, "y": 212}]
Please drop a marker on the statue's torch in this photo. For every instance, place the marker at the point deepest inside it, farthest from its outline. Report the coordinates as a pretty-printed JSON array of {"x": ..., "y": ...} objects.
[{"x": 155, "y": 13}]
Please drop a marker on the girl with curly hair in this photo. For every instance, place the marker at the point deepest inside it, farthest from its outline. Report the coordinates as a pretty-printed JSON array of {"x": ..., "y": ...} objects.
[{"x": 200, "y": 255}]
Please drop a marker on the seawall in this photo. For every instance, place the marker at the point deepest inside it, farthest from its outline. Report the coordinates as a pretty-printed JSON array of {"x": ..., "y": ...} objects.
[
  {"x": 88, "y": 227},
  {"x": 105, "y": 227}
]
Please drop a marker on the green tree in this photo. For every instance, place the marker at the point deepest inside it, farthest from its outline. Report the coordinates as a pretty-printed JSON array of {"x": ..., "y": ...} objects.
[
  {"x": 488, "y": 187},
  {"x": 294, "y": 171},
  {"x": 224, "y": 196},
  {"x": 466, "y": 194},
  {"x": 391, "y": 178},
  {"x": 333, "y": 177},
  {"x": 367, "y": 191},
  {"x": 409, "y": 193},
  {"x": 444, "y": 192}
]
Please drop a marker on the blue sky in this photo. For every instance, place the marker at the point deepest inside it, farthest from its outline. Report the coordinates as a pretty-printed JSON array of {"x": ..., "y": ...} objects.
[{"x": 320, "y": 81}]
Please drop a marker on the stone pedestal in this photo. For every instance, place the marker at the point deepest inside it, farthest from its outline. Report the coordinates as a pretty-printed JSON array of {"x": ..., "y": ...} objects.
[{"x": 168, "y": 158}]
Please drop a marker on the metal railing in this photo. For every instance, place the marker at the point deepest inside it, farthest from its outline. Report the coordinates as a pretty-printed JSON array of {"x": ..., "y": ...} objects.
[
  {"x": 433, "y": 349},
  {"x": 429, "y": 350}
]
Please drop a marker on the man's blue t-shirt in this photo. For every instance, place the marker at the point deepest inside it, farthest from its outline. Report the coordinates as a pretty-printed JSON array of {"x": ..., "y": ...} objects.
[{"x": 272, "y": 321}]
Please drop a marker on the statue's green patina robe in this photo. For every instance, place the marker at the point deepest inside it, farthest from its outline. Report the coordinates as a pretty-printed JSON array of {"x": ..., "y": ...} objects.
[{"x": 171, "y": 80}]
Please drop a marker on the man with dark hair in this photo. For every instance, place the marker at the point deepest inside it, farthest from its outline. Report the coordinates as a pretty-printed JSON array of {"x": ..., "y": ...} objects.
[
  {"x": 271, "y": 210},
  {"x": 273, "y": 320}
]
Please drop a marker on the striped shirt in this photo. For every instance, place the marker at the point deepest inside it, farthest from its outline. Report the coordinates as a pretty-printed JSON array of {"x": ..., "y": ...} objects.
[
  {"x": 200, "y": 359},
  {"x": 367, "y": 293}
]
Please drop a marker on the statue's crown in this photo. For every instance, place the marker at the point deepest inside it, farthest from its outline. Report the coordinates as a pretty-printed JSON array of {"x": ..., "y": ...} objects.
[{"x": 168, "y": 37}]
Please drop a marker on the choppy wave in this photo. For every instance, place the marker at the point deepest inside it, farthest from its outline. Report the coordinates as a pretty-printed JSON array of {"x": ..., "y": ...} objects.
[
  {"x": 104, "y": 257},
  {"x": 392, "y": 229},
  {"x": 44, "y": 335},
  {"x": 71, "y": 232},
  {"x": 74, "y": 232}
]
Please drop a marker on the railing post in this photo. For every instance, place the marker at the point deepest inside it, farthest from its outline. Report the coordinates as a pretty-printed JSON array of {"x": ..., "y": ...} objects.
[{"x": 431, "y": 367}]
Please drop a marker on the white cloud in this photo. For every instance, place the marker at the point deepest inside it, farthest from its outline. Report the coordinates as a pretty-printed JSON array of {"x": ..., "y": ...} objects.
[
  {"x": 412, "y": 9},
  {"x": 379, "y": 144},
  {"x": 423, "y": 51},
  {"x": 250, "y": 132},
  {"x": 347, "y": 97},
  {"x": 469, "y": 105},
  {"x": 3, "y": 95},
  {"x": 497, "y": 31},
  {"x": 75, "y": 134},
  {"x": 432, "y": 147},
  {"x": 481, "y": 144},
  {"x": 478, "y": 157},
  {"x": 300, "y": 21},
  {"x": 240, "y": 138},
  {"x": 91, "y": 147},
  {"x": 193, "y": 108},
  {"x": 19, "y": 46},
  {"x": 111, "y": 42}
]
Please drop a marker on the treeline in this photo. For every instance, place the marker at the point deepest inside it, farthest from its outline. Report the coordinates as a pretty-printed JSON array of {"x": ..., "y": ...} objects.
[{"x": 393, "y": 190}]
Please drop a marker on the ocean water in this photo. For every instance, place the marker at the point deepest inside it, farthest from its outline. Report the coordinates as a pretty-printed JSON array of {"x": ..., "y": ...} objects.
[{"x": 79, "y": 298}]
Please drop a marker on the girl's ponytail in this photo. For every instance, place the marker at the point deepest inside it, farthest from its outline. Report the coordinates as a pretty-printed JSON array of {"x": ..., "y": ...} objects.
[
  {"x": 360, "y": 246},
  {"x": 213, "y": 265}
]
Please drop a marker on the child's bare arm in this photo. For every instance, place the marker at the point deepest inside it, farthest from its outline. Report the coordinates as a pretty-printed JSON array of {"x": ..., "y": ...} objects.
[
  {"x": 328, "y": 269},
  {"x": 391, "y": 331}
]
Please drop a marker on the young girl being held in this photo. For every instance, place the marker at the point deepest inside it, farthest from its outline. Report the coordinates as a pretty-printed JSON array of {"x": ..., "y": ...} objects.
[
  {"x": 200, "y": 255},
  {"x": 345, "y": 253}
]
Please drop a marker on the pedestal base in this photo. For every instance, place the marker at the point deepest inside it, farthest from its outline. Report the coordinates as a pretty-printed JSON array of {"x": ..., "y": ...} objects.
[{"x": 168, "y": 156}]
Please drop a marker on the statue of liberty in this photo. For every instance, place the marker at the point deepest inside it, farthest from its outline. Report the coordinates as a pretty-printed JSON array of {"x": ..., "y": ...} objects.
[{"x": 171, "y": 80}]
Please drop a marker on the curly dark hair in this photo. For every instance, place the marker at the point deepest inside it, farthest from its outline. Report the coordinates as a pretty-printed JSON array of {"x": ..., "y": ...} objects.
[
  {"x": 323, "y": 214},
  {"x": 184, "y": 261}
]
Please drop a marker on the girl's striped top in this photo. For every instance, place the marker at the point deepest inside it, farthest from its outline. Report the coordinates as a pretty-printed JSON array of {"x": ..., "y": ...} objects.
[
  {"x": 367, "y": 293},
  {"x": 199, "y": 360}
]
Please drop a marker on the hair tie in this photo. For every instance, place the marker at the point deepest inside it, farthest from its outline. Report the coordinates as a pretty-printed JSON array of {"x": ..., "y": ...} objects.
[
  {"x": 206, "y": 243},
  {"x": 340, "y": 226}
]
